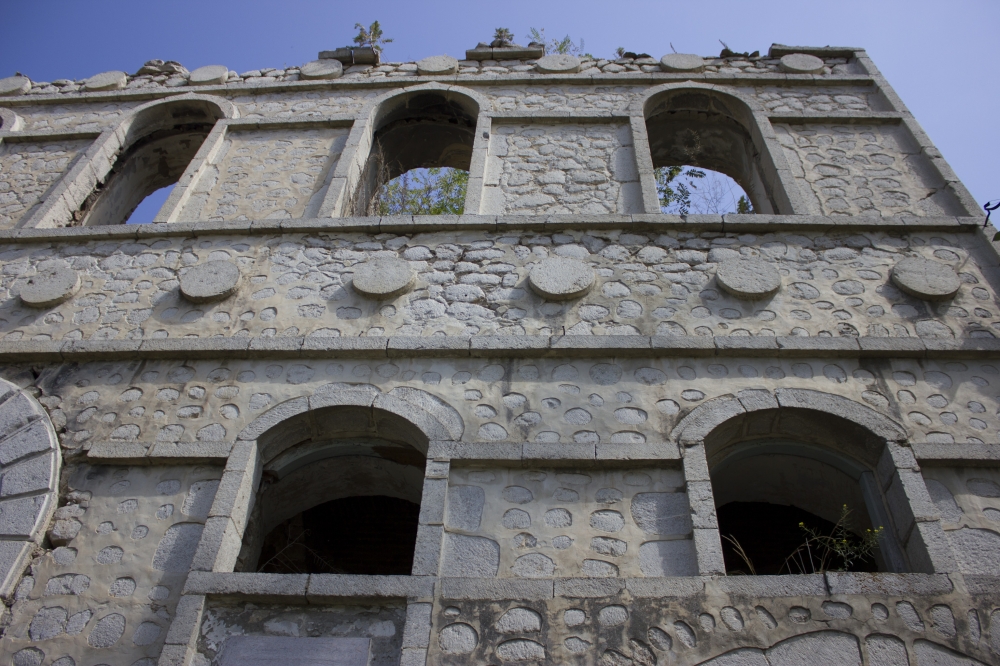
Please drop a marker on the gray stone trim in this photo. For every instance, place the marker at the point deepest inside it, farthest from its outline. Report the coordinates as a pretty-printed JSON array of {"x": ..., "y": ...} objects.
[
  {"x": 694, "y": 428},
  {"x": 27, "y": 436},
  {"x": 489, "y": 346},
  {"x": 778, "y": 50},
  {"x": 534, "y": 451},
  {"x": 73, "y": 188},
  {"x": 409, "y": 224},
  {"x": 844, "y": 117},
  {"x": 9, "y": 122},
  {"x": 306, "y": 588},
  {"x": 985, "y": 455},
  {"x": 470, "y": 80}
]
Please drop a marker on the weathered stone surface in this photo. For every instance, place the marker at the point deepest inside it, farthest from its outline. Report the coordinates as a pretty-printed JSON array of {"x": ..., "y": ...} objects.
[
  {"x": 561, "y": 278},
  {"x": 748, "y": 278},
  {"x": 383, "y": 278},
  {"x": 926, "y": 279},
  {"x": 439, "y": 65},
  {"x": 801, "y": 63},
  {"x": 682, "y": 62},
  {"x": 559, "y": 63},
  {"x": 209, "y": 75},
  {"x": 50, "y": 287},
  {"x": 14, "y": 85},
  {"x": 267, "y": 650},
  {"x": 327, "y": 68},
  {"x": 106, "y": 81},
  {"x": 211, "y": 281}
]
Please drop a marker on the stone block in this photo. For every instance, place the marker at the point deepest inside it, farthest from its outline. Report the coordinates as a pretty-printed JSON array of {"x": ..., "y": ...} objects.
[
  {"x": 187, "y": 620},
  {"x": 219, "y": 546},
  {"x": 695, "y": 464},
  {"x": 417, "y": 633},
  {"x": 234, "y": 498},
  {"x": 433, "y": 501},
  {"x": 702, "y": 502},
  {"x": 708, "y": 547},
  {"x": 328, "y": 588},
  {"x": 588, "y": 588},
  {"x": 643, "y": 451},
  {"x": 792, "y": 346},
  {"x": 188, "y": 452},
  {"x": 971, "y": 454},
  {"x": 14, "y": 555},
  {"x": 700, "y": 423},
  {"x": 557, "y": 451},
  {"x": 611, "y": 345},
  {"x": 427, "y": 550},
  {"x": 495, "y": 589},
  {"x": 359, "y": 347},
  {"x": 269, "y": 650},
  {"x": 901, "y": 347},
  {"x": 413, "y": 657},
  {"x": 755, "y": 587},
  {"x": 514, "y": 345},
  {"x": 281, "y": 588},
  {"x": 175, "y": 655},
  {"x": 403, "y": 346},
  {"x": 928, "y": 549},
  {"x": 664, "y": 588},
  {"x": 475, "y": 450},
  {"x": 893, "y": 584},
  {"x": 118, "y": 451},
  {"x": 20, "y": 443}
]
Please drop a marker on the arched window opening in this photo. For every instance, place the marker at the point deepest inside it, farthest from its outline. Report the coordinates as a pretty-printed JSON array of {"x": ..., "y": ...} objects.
[
  {"x": 420, "y": 158},
  {"x": 340, "y": 493},
  {"x": 158, "y": 152},
  {"x": 705, "y": 157},
  {"x": 692, "y": 190},
  {"x": 147, "y": 209},
  {"x": 786, "y": 507}
]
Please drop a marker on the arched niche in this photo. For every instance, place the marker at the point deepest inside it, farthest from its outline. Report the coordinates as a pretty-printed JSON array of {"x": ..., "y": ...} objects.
[{"x": 702, "y": 126}]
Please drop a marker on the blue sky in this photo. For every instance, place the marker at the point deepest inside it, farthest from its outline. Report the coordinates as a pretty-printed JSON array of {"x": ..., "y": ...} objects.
[{"x": 939, "y": 56}]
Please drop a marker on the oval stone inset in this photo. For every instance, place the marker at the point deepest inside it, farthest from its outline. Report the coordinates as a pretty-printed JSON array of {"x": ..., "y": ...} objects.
[
  {"x": 211, "y": 281},
  {"x": 437, "y": 65},
  {"x": 385, "y": 277},
  {"x": 559, "y": 63},
  {"x": 926, "y": 279},
  {"x": 327, "y": 68},
  {"x": 50, "y": 287},
  {"x": 561, "y": 278},
  {"x": 209, "y": 75},
  {"x": 801, "y": 63},
  {"x": 748, "y": 278},
  {"x": 682, "y": 62}
]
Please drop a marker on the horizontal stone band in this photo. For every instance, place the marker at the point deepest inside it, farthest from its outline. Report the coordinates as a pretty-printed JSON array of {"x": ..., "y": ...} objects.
[{"x": 512, "y": 346}]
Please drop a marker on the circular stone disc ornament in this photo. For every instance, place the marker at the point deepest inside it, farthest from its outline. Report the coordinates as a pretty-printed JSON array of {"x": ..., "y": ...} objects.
[
  {"x": 560, "y": 63},
  {"x": 106, "y": 81},
  {"x": 211, "y": 281},
  {"x": 926, "y": 279},
  {"x": 437, "y": 66},
  {"x": 209, "y": 75},
  {"x": 322, "y": 69},
  {"x": 682, "y": 62},
  {"x": 561, "y": 278},
  {"x": 382, "y": 278},
  {"x": 748, "y": 278},
  {"x": 14, "y": 85},
  {"x": 50, "y": 287},
  {"x": 801, "y": 63}
]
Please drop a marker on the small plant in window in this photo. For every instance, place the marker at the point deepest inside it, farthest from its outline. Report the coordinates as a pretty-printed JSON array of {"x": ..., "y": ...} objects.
[
  {"x": 560, "y": 46},
  {"x": 502, "y": 37},
  {"x": 675, "y": 195},
  {"x": 689, "y": 190},
  {"x": 840, "y": 550},
  {"x": 435, "y": 191},
  {"x": 371, "y": 36}
]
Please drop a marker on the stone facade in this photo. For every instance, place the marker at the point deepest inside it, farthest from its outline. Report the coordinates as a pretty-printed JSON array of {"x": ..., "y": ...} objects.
[{"x": 172, "y": 392}]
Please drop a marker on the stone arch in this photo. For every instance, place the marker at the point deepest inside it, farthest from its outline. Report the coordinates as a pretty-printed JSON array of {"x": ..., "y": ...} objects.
[
  {"x": 29, "y": 455},
  {"x": 73, "y": 198},
  {"x": 808, "y": 451},
  {"x": 10, "y": 121},
  {"x": 780, "y": 413},
  {"x": 758, "y": 165},
  {"x": 353, "y": 169},
  {"x": 345, "y": 443}
]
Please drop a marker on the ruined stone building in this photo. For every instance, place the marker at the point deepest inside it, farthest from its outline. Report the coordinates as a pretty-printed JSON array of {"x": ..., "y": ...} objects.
[{"x": 270, "y": 428}]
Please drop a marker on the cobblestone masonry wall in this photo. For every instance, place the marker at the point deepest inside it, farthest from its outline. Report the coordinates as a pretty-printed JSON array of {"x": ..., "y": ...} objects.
[
  {"x": 567, "y": 511},
  {"x": 471, "y": 283},
  {"x": 267, "y": 174},
  {"x": 560, "y": 169},
  {"x": 123, "y": 541},
  {"x": 28, "y": 170}
]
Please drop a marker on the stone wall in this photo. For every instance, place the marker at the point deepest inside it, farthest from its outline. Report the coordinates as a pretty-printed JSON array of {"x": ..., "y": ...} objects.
[
  {"x": 270, "y": 174},
  {"x": 120, "y": 547},
  {"x": 28, "y": 171}
]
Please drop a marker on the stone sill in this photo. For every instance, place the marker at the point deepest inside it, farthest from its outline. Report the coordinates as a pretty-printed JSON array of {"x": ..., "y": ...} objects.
[
  {"x": 408, "y": 224},
  {"x": 491, "y": 78},
  {"x": 500, "y": 346},
  {"x": 306, "y": 588}
]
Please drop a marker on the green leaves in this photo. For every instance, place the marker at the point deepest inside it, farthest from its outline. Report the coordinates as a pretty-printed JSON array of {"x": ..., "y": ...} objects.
[
  {"x": 438, "y": 191},
  {"x": 371, "y": 36}
]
